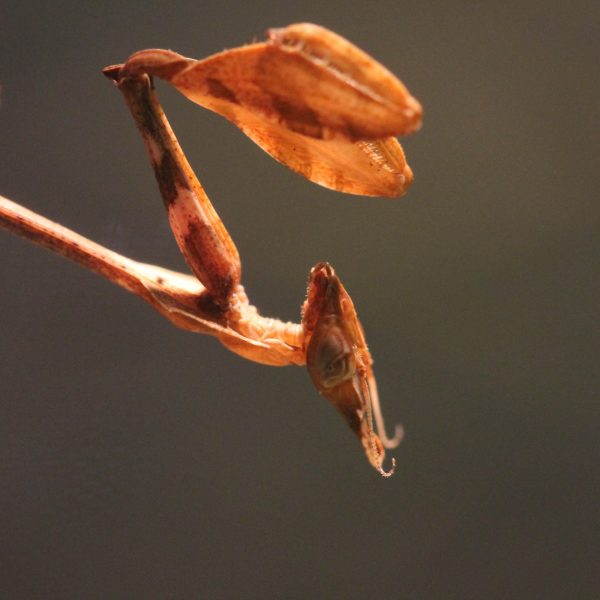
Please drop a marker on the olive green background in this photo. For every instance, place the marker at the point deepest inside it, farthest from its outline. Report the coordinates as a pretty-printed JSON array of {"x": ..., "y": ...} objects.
[{"x": 140, "y": 461}]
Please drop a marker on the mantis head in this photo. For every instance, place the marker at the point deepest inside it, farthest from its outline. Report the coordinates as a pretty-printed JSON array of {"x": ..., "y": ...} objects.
[{"x": 340, "y": 364}]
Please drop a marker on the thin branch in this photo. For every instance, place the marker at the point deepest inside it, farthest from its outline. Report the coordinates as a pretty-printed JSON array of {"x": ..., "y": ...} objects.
[{"x": 123, "y": 271}]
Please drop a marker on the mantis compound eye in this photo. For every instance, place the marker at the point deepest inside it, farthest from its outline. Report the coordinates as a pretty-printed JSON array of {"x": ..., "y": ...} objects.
[{"x": 333, "y": 359}]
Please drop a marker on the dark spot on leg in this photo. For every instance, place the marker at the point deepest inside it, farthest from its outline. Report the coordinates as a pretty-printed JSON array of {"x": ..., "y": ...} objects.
[
  {"x": 209, "y": 261},
  {"x": 146, "y": 111},
  {"x": 210, "y": 309},
  {"x": 169, "y": 177}
]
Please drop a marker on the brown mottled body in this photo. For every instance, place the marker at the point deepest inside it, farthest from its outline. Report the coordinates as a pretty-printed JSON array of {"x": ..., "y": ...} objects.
[{"x": 321, "y": 106}]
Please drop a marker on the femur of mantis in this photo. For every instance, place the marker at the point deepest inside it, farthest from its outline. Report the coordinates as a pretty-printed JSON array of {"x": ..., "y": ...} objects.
[{"x": 317, "y": 104}]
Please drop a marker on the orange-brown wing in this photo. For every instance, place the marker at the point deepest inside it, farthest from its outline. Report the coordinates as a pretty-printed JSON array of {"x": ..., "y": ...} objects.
[{"x": 311, "y": 100}]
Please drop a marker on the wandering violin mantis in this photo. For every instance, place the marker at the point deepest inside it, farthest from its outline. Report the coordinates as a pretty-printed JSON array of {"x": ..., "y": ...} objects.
[{"x": 317, "y": 104}]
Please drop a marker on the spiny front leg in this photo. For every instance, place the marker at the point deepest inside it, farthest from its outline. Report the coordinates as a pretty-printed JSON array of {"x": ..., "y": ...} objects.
[
  {"x": 200, "y": 233},
  {"x": 339, "y": 362}
]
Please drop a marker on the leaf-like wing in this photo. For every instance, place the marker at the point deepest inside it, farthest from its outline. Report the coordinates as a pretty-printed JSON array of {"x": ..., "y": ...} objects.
[{"x": 309, "y": 98}]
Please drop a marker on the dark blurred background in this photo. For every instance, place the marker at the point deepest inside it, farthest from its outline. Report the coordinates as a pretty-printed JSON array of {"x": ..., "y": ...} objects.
[{"x": 140, "y": 461}]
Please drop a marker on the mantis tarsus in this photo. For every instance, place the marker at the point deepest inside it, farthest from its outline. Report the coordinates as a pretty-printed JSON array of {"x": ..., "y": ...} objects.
[{"x": 324, "y": 108}]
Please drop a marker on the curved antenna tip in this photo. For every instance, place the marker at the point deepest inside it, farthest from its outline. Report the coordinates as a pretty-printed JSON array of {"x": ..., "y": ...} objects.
[{"x": 390, "y": 472}]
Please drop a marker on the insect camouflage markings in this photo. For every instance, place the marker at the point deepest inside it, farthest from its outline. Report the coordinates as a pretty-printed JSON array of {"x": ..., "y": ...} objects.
[{"x": 317, "y": 104}]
